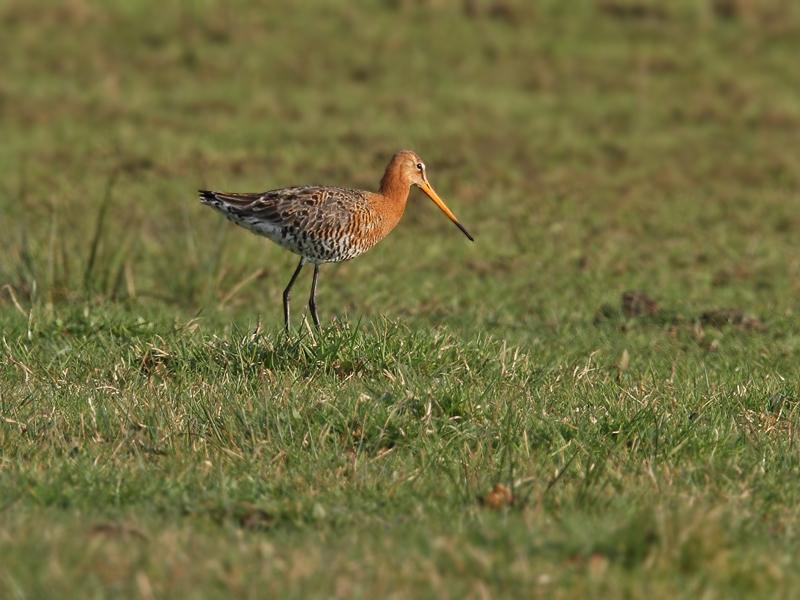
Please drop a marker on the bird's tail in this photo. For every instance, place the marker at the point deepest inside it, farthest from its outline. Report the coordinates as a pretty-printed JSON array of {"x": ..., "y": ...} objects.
[
  {"x": 228, "y": 199},
  {"x": 207, "y": 196}
]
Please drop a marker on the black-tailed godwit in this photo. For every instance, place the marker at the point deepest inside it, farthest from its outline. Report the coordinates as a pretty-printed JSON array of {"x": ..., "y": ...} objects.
[{"x": 328, "y": 224}]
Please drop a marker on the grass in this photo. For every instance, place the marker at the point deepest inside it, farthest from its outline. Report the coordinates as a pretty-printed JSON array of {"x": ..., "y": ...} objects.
[{"x": 160, "y": 435}]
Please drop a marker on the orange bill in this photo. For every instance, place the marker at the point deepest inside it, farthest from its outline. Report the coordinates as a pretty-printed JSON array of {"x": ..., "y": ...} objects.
[{"x": 426, "y": 187}]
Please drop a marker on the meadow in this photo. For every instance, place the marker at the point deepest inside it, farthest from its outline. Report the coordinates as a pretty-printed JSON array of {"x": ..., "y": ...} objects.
[{"x": 598, "y": 398}]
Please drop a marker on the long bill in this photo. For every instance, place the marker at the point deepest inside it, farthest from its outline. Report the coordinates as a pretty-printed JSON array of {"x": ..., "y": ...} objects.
[{"x": 431, "y": 193}]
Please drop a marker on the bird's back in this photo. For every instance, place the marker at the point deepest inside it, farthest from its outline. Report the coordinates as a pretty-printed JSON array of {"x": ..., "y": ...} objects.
[{"x": 321, "y": 223}]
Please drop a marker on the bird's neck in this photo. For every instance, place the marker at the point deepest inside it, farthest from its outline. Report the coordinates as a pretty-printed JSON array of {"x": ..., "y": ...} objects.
[
  {"x": 393, "y": 194},
  {"x": 394, "y": 188}
]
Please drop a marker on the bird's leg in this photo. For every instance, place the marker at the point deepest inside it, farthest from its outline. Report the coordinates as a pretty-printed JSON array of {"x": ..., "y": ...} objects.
[
  {"x": 288, "y": 292},
  {"x": 312, "y": 300}
]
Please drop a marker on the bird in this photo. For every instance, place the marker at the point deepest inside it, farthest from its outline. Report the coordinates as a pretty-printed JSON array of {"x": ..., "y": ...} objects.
[{"x": 325, "y": 224}]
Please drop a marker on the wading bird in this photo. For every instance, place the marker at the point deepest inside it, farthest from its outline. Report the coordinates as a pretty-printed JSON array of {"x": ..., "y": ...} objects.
[{"x": 328, "y": 224}]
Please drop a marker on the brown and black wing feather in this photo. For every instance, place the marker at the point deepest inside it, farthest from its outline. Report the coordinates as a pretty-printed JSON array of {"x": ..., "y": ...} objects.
[
  {"x": 263, "y": 205},
  {"x": 316, "y": 222}
]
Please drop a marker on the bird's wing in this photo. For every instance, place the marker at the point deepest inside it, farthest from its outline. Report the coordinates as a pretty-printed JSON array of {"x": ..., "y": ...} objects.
[{"x": 305, "y": 208}]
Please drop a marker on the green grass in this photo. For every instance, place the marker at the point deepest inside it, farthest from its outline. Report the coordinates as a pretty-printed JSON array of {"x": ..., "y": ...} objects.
[{"x": 160, "y": 435}]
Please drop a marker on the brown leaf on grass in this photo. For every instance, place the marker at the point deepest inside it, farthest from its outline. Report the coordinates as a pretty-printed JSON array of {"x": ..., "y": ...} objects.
[
  {"x": 736, "y": 273},
  {"x": 597, "y": 565},
  {"x": 632, "y": 10},
  {"x": 731, "y": 316},
  {"x": 504, "y": 11},
  {"x": 726, "y": 9},
  {"x": 499, "y": 9},
  {"x": 253, "y": 518},
  {"x": 153, "y": 360},
  {"x": 636, "y": 303},
  {"x": 113, "y": 529},
  {"x": 498, "y": 497},
  {"x": 755, "y": 12}
]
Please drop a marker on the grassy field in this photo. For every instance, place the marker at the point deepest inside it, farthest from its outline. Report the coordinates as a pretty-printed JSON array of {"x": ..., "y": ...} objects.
[{"x": 480, "y": 420}]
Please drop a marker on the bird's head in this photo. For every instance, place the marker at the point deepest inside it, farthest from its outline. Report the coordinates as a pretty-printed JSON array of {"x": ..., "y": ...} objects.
[{"x": 410, "y": 169}]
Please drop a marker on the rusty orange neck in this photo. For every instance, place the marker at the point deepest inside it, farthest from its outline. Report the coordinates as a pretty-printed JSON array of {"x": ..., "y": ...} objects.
[
  {"x": 392, "y": 196},
  {"x": 394, "y": 185}
]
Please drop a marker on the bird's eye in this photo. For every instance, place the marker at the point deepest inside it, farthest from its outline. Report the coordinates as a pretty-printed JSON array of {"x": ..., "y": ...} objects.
[{"x": 420, "y": 167}]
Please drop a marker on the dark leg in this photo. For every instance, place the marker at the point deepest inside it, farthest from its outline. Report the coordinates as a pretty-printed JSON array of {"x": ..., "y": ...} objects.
[
  {"x": 288, "y": 291},
  {"x": 312, "y": 301}
]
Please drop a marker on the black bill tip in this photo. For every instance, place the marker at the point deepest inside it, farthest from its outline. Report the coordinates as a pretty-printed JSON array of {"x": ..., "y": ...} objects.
[{"x": 464, "y": 231}]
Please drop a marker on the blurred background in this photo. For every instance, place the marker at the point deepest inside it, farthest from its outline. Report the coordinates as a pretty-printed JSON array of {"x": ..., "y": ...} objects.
[{"x": 591, "y": 146}]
